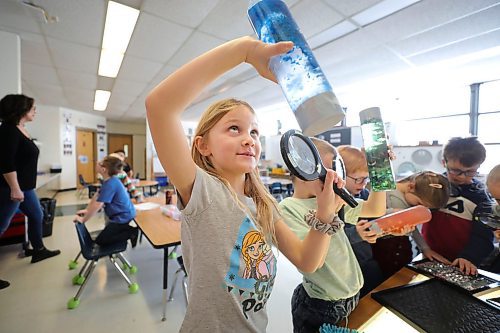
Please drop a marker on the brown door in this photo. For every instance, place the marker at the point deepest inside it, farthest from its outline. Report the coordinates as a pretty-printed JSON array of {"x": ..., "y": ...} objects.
[
  {"x": 85, "y": 162},
  {"x": 122, "y": 142}
]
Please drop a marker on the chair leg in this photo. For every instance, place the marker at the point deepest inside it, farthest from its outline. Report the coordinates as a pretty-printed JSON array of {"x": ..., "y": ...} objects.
[
  {"x": 120, "y": 270},
  {"x": 184, "y": 286},
  {"x": 124, "y": 260},
  {"x": 88, "y": 274},
  {"x": 172, "y": 287}
]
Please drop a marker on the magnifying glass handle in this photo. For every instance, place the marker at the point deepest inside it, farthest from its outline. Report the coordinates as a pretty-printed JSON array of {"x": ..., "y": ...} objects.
[{"x": 346, "y": 196}]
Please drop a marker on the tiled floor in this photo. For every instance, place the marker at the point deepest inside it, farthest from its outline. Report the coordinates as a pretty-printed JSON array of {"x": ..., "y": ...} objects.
[{"x": 36, "y": 300}]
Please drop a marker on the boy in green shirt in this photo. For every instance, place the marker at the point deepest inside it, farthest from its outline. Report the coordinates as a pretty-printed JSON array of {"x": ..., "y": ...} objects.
[{"x": 330, "y": 293}]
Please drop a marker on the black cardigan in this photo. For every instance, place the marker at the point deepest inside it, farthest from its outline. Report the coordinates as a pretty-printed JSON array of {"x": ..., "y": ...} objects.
[{"x": 17, "y": 153}]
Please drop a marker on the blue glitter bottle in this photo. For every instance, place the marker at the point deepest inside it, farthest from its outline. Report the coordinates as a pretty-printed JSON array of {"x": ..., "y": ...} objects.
[{"x": 304, "y": 84}]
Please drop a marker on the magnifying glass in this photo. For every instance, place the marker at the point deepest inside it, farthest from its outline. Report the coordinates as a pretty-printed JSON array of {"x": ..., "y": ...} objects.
[{"x": 302, "y": 159}]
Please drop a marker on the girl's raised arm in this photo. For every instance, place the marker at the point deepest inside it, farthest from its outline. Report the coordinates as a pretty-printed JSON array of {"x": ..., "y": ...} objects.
[{"x": 172, "y": 96}]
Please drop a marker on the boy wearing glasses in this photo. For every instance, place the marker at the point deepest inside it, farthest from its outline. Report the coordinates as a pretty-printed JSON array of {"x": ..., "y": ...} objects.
[{"x": 453, "y": 231}]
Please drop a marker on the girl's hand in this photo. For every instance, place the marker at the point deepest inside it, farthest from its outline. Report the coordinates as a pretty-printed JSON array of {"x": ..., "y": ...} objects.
[
  {"x": 497, "y": 234},
  {"x": 259, "y": 53},
  {"x": 328, "y": 202},
  {"x": 432, "y": 255},
  {"x": 363, "y": 229},
  {"x": 403, "y": 231},
  {"x": 16, "y": 195}
]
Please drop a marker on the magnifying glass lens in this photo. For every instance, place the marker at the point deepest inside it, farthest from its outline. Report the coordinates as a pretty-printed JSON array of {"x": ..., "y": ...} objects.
[{"x": 301, "y": 155}]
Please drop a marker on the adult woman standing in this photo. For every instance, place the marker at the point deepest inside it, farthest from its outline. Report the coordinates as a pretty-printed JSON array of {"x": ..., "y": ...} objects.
[{"x": 18, "y": 167}]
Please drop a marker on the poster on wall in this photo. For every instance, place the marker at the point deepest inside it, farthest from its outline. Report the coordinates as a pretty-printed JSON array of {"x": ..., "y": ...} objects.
[
  {"x": 67, "y": 142},
  {"x": 101, "y": 142}
]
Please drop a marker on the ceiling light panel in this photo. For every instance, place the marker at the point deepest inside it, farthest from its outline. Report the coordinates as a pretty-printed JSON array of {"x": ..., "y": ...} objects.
[{"x": 119, "y": 26}]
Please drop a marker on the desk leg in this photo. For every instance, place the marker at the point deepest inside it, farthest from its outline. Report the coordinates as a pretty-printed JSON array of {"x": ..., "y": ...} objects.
[{"x": 165, "y": 283}]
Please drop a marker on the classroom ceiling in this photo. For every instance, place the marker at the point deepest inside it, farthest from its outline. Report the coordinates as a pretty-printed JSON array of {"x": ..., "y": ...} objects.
[{"x": 59, "y": 61}]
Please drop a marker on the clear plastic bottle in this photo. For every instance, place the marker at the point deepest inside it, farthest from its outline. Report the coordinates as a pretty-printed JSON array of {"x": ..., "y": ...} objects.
[
  {"x": 395, "y": 222},
  {"x": 304, "y": 84},
  {"x": 376, "y": 150}
]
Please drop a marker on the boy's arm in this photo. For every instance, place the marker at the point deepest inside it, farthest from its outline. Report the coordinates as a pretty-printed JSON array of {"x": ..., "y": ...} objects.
[
  {"x": 90, "y": 211},
  {"x": 480, "y": 244}
]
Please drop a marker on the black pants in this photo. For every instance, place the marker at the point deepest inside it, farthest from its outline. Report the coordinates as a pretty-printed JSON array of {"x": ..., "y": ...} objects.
[
  {"x": 309, "y": 314},
  {"x": 114, "y": 233}
]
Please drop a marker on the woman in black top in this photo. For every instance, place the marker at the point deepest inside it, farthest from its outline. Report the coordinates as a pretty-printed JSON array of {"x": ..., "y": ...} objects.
[{"x": 18, "y": 167}]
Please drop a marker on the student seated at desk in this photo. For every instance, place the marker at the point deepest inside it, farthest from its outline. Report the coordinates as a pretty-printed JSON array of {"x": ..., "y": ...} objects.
[{"x": 118, "y": 208}]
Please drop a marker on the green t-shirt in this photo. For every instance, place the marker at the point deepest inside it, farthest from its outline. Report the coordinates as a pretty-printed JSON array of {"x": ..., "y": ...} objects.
[
  {"x": 351, "y": 215},
  {"x": 340, "y": 277}
]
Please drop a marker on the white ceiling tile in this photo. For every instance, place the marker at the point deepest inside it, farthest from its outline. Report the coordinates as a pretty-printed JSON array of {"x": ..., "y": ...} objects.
[
  {"x": 127, "y": 87},
  {"x": 454, "y": 31},
  {"x": 17, "y": 16},
  {"x": 196, "y": 45},
  {"x": 162, "y": 75},
  {"x": 74, "y": 56},
  {"x": 80, "y": 22},
  {"x": 121, "y": 101},
  {"x": 78, "y": 79},
  {"x": 140, "y": 70},
  {"x": 347, "y": 47},
  {"x": 228, "y": 20},
  {"x": 422, "y": 16},
  {"x": 35, "y": 53},
  {"x": 39, "y": 74},
  {"x": 471, "y": 45},
  {"x": 314, "y": 16},
  {"x": 185, "y": 12},
  {"x": 349, "y": 7},
  {"x": 49, "y": 94},
  {"x": 156, "y": 39}
]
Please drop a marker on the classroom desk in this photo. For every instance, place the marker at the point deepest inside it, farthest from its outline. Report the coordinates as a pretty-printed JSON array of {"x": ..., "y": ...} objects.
[
  {"x": 369, "y": 311},
  {"x": 147, "y": 183},
  {"x": 162, "y": 232}
]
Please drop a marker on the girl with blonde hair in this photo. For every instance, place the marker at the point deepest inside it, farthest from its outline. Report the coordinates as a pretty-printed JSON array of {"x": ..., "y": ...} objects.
[{"x": 221, "y": 195}]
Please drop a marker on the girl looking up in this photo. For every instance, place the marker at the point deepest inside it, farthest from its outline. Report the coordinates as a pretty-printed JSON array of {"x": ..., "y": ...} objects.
[{"x": 222, "y": 197}]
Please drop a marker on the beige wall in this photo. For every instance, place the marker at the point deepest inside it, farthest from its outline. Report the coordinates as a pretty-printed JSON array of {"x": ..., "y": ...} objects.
[{"x": 138, "y": 132}]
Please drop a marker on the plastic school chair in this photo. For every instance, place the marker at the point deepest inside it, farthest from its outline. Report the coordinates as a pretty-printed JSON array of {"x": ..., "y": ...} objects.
[
  {"x": 181, "y": 269},
  {"x": 92, "y": 253}
]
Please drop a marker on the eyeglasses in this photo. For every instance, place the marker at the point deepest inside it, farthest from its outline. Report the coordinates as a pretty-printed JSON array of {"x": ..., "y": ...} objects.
[
  {"x": 458, "y": 172},
  {"x": 360, "y": 180}
]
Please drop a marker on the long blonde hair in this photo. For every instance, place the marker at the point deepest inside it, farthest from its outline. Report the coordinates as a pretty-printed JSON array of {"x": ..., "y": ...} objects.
[
  {"x": 251, "y": 238},
  {"x": 254, "y": 188}
]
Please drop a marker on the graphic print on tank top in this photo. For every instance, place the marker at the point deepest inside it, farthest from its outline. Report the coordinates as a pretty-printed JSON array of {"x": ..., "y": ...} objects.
[{"x": 252, "y": 269}]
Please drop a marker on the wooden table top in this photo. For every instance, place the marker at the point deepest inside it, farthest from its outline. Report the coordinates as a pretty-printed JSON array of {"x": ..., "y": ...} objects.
[
  {"x": 143, "y": 183},
  {"x": 160, "y": 229},
  {"x": 368, "y": 307}
]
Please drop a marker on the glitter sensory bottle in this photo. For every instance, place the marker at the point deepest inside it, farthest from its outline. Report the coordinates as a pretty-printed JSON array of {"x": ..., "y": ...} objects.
[
  {"x": 304, "y": 84},
  {"x": 395, "y": 222},
  {"x": 377, "y": 156}
]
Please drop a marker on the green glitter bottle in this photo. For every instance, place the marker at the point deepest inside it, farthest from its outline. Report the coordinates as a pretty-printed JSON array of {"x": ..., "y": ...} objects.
[{"x": 377, "y": 156}]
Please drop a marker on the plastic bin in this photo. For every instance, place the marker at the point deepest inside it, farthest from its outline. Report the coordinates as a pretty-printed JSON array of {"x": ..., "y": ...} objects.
[
  {"x": 162, "y": 181},
  {"x": 49, "y": 208}
]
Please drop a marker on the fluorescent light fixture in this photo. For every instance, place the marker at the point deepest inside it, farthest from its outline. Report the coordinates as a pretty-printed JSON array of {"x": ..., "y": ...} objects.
[
  {"x": 101, "y": 99},
  {"x": 381, "y": 10},
  {"x": 119, "y": 26},
  {"x": 332, "y": 33}
]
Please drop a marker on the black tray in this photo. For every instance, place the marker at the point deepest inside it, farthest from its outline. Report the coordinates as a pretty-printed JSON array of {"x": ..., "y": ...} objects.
[
  {"x": 470, "y": 283},
  {"x": 434, "y": 306}
]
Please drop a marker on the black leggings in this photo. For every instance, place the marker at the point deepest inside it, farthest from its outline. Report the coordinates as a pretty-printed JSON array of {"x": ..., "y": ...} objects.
[{"x": 114, "y": 233}]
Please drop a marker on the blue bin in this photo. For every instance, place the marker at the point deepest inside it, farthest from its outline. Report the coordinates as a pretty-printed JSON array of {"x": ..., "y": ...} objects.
[{"x": 162, "y": 181}]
